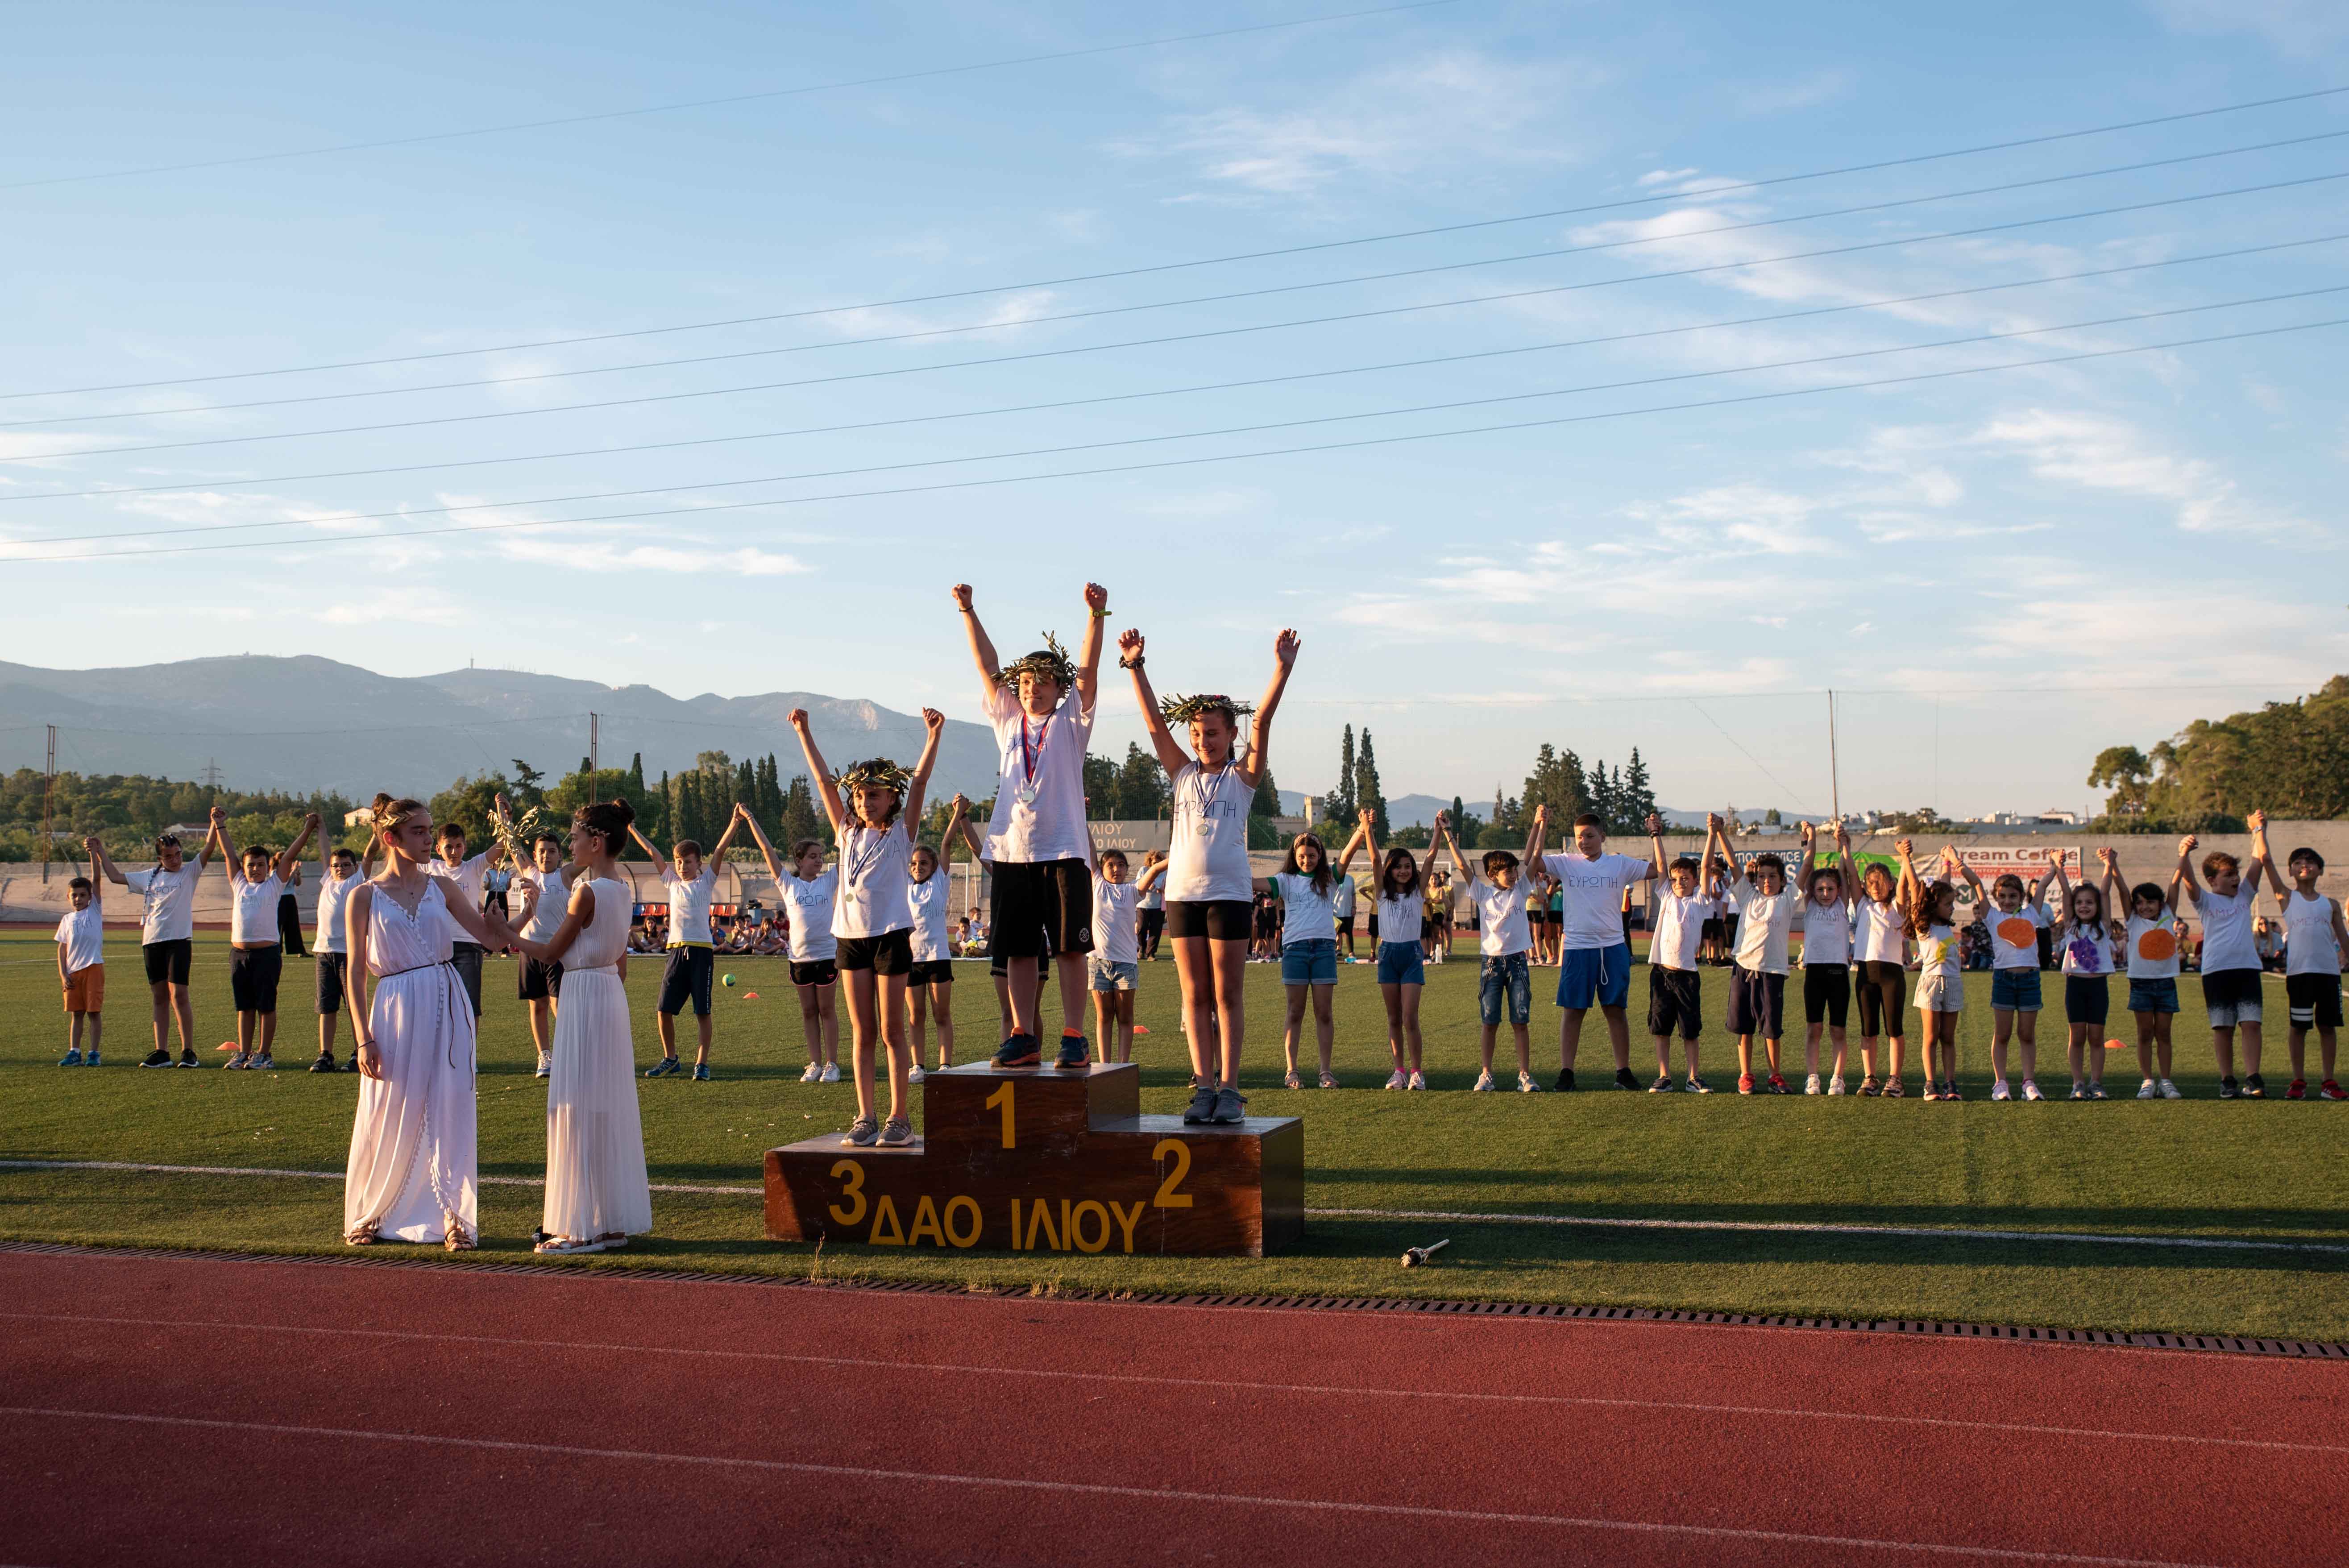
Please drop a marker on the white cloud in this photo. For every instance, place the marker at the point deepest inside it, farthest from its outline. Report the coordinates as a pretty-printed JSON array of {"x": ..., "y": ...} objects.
[
  {"x": 2296, "y": 27},
  {"x": 2103, "y": 452},
  {"x": 373, "y": 604},
  {"x": 603, "y": 555},
  {"x": 1012, "y": 311},
  {"x": 1804, "y": 92},
  {"x": 1203, "y": 504}
]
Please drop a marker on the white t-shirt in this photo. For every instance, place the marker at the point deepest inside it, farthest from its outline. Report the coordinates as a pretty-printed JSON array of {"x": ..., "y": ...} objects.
[
  {"x": 2227, "y": 928},
  {"x": 554, "y": 901},
  {"x": 1115, "y": 905},
  {"x": 1940, "y": 954},
  {"x": 1765, "y": 921},
  {"x": 1306, "y": 916},
  {"x": 1156, "y": 897},
  {"x": 465, "y": 879},
  {"x": 2086, "y": 950},
  {"x": 1400, "y": 918},
  {"x": 2309, "y": 947},
  {"x": 1879, "y": 931},
  {"x": 2013, "y": 938},
  {"x": 689, "y": 906},
  {"x": 810, "y": 902},
  {"x": 1048, "y": 757},
  {"x": 1826, "y": 934},
  {"x": 1501, "y": 927},
  {"x": 334, "y": 892},
  {"x": 927, "y": 903},
  {"x": 876, "y": 872},
  {"x": 1592, "y": 896},
  {"x": 2153, "y": 947},
  {"x": 252, "y": 908},
  {"x": 170, "y": 913},
  {"x": 83, "y": 931},
  {"x": 1680, "y": 926},
  {"x": 1208, "y": 861},
  {"x": 1342, "y": 903}
]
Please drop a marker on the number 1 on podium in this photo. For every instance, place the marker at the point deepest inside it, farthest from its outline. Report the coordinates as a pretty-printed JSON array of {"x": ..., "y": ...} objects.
[{"x": 1002, "y": 1097}]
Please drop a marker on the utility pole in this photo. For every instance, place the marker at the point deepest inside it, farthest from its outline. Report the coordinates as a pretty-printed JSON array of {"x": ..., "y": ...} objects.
[
  {"x": 1835, "y": 770},
  {"x": 48, "y": 804},
  {"x": 594, "y": 749}
]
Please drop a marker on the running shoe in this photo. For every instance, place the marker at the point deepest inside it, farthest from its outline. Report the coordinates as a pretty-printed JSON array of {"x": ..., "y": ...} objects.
[
  {"x": 1202, "y": 1108},
  {"x": 1074, "y": 1052},
  {"x": 2096, "y": 1092},
  {"x": 1871, "y": 1086},
  {"x": 1949, "y": 1089},
  {"x": 1745, "y": 1083},
  {"x": 1932, "y": 1091},
  {"x": 2171, "y": 1091},
  {"x": 2229, "y": 1090},
  {"x": 2148, "y": 1090},
  {"x": 324, "y": 1063},
  {"x": 831, "y": 1073},
  {"x": 1835, "y": 1084},
  {"x": 1484, "y": 1084},
  {"x": 701, "y": 1072},
  {"x": 1229, "y": 1107},
  {"x": 187, "y": 1057},
  {"x": 1525, "y": 1084},
  {"x": 1698, "y": 1086},
  {"x": 2255, "y": 1087},
  {"x": 862, "y": 1133},
  {"x": 237, "y": 1062},
  {"x": 915, "y": 1074},
  {"x": 92, "y": 1060},
  {"x": 1778, "y": 1085},
  {"x": 1664, "y": 1084},
  {"x": 1565, "y": 1083},
  {"x": 264, "y": 1063},
  {"x": 2328, "y": 1089},
  {"x": 1998, "y": 1089},
  {"x": 545, "y": 1065},
  {"x": 1418, "y": 1079},
  {"x": 351, "y": 1062},
  {"x": 897, "y": 1132},
  {"x": 1811, "y": 1084},
  {"x": 1019, "y": 1051},
  {"x": 1396, "y": 1079},
  {"x": 1623, "y": 1079},
  {"x": 72, "y": 1058},
  {"x": 1894, "y": 1088},
  {"x": 814, "y": 1073},
  {"x": 2079, "y": 1091},
  {"x": 664, "y": 1067},
  {"x": 2296, "y": 1089}
]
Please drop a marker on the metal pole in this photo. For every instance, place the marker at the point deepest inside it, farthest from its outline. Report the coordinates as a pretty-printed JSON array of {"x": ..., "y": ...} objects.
[
  {"x": 1835, "y": 768},
  {"x": 48, "y": 804},
  {"x": 594, "y": 750}
]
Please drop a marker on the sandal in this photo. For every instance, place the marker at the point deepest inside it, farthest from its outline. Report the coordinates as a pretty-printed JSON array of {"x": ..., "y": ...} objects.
[
  {"x": 459, "y": 1239},
  {"x": 1292, "y": 1081},
  {"x": 1892, "y": 1088},
  {"x": 565, "y": 1246},
  {"x": 1328, "y": 1081},
  {"x": 365, "y": 1236},
  {"x": 612, "y": 1240}
]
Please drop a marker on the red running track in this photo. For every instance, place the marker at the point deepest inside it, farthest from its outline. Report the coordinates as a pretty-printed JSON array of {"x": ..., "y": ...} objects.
[{"x": 170, "y": 1410}]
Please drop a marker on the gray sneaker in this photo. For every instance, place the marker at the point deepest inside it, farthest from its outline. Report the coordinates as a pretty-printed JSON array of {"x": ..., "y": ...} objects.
[
  {"x": 862, "y": 1133},
  {"x": 1202, "y": 1108},
  {"x": 897, "y": 1133},
  {"x": 1230, "y": 1106}
]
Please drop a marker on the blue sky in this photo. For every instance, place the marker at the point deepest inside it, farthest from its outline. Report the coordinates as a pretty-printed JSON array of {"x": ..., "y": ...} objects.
[{"x": 2006, "y": 570}]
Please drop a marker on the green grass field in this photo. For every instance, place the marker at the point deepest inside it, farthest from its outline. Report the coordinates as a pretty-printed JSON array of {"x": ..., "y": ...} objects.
[{"x": 2268, "y": 1171}]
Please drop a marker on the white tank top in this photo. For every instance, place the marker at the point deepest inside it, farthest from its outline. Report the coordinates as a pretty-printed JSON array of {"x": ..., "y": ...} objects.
[
  {"x": 399, "y": 942},
  {"x": 1208, "y": 861},
  {"x": 2308, "y": 948},
  {"x": 605, "y": 937}
]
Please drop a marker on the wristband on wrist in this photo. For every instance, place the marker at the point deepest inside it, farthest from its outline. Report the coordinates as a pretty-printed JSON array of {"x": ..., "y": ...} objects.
[
  {"x": 1134, "y": 663},
  {"x": 1101, "y": 615}
]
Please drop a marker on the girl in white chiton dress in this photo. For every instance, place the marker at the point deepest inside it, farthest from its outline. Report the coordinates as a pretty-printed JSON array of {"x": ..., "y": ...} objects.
[
  {"x": 596, "y": 1192},
  {"x": 413, "y": 1175}
]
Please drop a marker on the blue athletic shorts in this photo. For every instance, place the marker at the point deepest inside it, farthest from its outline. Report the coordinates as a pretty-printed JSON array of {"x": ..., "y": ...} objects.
[
  {"x": 2014, "y": 989},
  {"x": 1401, "y": 963},
  {"x": 1310, "y": 962},
  {"x": 1599, "y": 973}
]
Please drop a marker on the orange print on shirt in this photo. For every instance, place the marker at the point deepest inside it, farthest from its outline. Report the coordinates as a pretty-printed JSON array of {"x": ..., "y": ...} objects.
[
  {"x": 2017, "y": 932},
  {"x": 2156, "y": 946}
]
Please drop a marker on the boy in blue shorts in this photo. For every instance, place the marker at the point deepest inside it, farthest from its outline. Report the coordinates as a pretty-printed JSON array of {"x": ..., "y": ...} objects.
[
  {"x": 2224, "y": 898},
  {"x": 1593, "y": 960},
  {"x": 1766, "y": 901},
  {"x": 1505, "y": 943}
]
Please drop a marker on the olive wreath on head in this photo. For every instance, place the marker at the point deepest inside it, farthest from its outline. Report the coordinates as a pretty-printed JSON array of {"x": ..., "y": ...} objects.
[
  {"x": 1051, "y": 662},
  {"x": 1179, "y": 709},
  {"x": 878, "y": 772}
]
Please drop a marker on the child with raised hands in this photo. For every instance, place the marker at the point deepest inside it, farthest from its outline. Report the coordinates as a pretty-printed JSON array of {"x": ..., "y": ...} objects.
[
  {"x": 2087, "y": 945},
  {"x": 1683, "y": 908},
  {"x": 870, "y": 806},
  {"x": 690, "y": 880},
  {"x": 1880, "y": 944},
  {"x": 807, "y": 890},
  {"x": 2010, "y": 916},
  {"x": 1504, "y": 945},
  {"x": 930, "y": 982},
  {"x": 1826, "y": 958},
  {"x": 256, "y": 946},
  {"x": 1932, "y": 909},
  {"x": 2153, "y": 940},
  {"x": 1114, "y": 968},
  {"x": 2314, "y": 942},
  {"x": 1593, "y": 957},
  {"x": 2225, "y": 898},
  {"x": 1209, "y": 911},
  {"x": 1307, "y": 886},
  {"x": 1767, "y": 901},
  {"x": 1398, "y": 908}
]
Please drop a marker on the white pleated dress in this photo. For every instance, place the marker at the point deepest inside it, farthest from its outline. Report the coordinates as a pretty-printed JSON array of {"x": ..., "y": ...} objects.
[
  {"x": 413, "y": 1159},
  {"x": 595, "y": 1181}
]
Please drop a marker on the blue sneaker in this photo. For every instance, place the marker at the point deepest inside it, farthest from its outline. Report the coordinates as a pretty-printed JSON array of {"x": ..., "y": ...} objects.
[
  {"x": 1018, "y": 1051},
  {"x": 701, "y": 1072},
  {"x": 1074, "y": 1052},
  {"x": 91, "y": 1060},
  {"x": 664, "y": 1067},
  {"x": 72, "y": 1058}
]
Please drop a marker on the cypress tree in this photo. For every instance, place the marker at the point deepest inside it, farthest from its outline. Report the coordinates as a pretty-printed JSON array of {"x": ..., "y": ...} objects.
[{"x": 1367, "y": 794}]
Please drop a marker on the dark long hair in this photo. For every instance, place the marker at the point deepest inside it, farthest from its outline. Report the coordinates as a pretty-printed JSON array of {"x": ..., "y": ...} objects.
[
  {"x": 1322, "y": 876},
  {"x": 608, "y": 820},
  {"x": 1397, "y": 856}
]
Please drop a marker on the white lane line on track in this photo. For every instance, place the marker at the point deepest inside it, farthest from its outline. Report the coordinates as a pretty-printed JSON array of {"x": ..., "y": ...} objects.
[
  {"x": 1096, "y": 1488},
  {"x": 1927, "y": 1232},
  {"x": 1206, "y": 1384}
]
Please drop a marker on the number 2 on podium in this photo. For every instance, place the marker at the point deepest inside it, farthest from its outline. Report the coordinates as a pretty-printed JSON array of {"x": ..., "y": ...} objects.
[{"x": 1002, "y": 1097}]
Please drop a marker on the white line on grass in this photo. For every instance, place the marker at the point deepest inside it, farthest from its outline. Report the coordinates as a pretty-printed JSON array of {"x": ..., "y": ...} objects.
[
  {"x": 863, "y": 1364},
  {"x": 1927, "y": 1233},
  {"x": 1221, "y": 1501}
]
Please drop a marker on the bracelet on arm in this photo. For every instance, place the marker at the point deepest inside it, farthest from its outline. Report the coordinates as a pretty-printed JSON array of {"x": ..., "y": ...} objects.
[
  {"x": 1101, "y": 615},
  {"x": 1134, "y": 663}
]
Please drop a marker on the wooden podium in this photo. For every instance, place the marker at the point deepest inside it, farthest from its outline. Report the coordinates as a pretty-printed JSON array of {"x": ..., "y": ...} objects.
[{"x": 1052, "y": 1160}]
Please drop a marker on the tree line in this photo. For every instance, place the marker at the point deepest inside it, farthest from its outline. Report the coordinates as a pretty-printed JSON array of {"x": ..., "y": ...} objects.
[{"x": 2288, "y": 759}]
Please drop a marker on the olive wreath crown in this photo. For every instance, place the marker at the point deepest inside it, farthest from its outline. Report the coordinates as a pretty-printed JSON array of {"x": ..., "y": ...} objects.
[
  {"x": 878, "y": 772},
  {"x": 1052, "y": 660},
  {"x": 1181, "y": 709}
]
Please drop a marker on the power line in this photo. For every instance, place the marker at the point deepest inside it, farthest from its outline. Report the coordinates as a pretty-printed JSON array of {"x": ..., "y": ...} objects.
[
  {"x": 214, "y": 528},
  {"x": 714, "y": 102},
  {"x": 1562, "y": 288},
  {"x": 1217, "y": 458},
  {"x": 1707, "y": 192},
  {"x": 1109, "y": 398},
  {"x": 1102, "y": 310}
]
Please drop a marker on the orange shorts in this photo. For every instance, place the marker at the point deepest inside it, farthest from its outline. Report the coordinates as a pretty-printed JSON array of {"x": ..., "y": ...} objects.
[{"x": 86, "y": 989}]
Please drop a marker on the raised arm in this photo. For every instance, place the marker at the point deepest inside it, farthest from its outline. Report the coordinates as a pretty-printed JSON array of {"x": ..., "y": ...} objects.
[
  {"x": 1717, "y": 833},
  {"x": 2117, "y": 902},
  {"x": 759, "y": 835},
  {"x": 102, "y": 862},
  {"x": 1284, "y": 654},
  {"x": 217, "y": 831},
  {"x": 1534, "y": 833},
  {"x": 1156, "y": 870},
  {"x": 1911, "y": 892},
  {"x": 1355, "y": 840},
  {"x": 2062, "y": 884},
  {"x": 1655, "y": 826},
  {"x": 826, "y": 788},
  {"x": 1801, "y": 874},
  {"x": 290, "y": 858},
  {"x": 1450, "y": 845},
  {"x": 733, "y": 824},
  {"x": 982, "y": 649},
  {"x": 1843, "y": 864},
  {"x": 2184, "y": 875},
  {"x": 647, "y": 845},
  {"x": 1088, "y": 655},
  {"x": 2260, "y": 860},
  {"x": 1161, "y": 741},
  {"x": 917, "y": 789}
]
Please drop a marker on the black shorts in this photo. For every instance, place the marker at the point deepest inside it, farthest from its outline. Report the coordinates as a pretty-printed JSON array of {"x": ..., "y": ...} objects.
[
  {"x": 1345, "y": 925},
  {"x": 1673, "y": 1003},
  {"x": 1154, "y": 924},
  {"x": 333, "y": 969},
  {"x": 1042, "y": 906},
  {"x": 931, "y": 972},
  {"x": 1757, "y": 1004},
  {"x": 253, "y": 976},
  {"x": 2231, "y": 987},
  {"x": 1827, "y": 994},
  {"x": 1216, "y": 919},
  {"x": 2087, "y": 999},
  {"x": 539, "y": 981},
  {"x": 2313, "y": 1001},
  {"x": 465, "y": 957},
  {"x": 1043, "y": 967},
  {"x": 816, "y": 972},
  {"x": 168, "y": 960},
  {"x": 1883, "y": 999},
  {"x": 289, "y": 926},
  {"x": 690, "y": 970},
  {"x": 891, "y": 953}
]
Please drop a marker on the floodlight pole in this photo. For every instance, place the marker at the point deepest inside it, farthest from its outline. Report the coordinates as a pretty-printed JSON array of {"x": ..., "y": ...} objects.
[
  {"x": 1835, "y": 770},
  {"x": 594, "y": 750},
  {"x": 48, "y": 804}
]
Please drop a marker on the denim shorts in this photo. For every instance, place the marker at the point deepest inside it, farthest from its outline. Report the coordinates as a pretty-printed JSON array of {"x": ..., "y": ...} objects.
[
  {"x": 2156, "y": 995},
  {"x": 1401, "y": 963},
  {"x": 1506, "y": 976},
  {"x": 2014, "y": 989},
  {"x": 1107, "y": 975},
  {"x": 1309, "y": 962},
  {"x": 1600, "y": 974}
]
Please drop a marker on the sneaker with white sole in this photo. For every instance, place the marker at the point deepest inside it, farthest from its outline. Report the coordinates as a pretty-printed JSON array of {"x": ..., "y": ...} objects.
[
  {"x": 915, "y": 1074},
  {"x": 2079, "y": 1091},
  {"x": 815, "y": 1073},
  {"x": 1396, "y": 1079},
  {"x": 1698, "y": 1086},
  {"x": 72, "y": 1058},
  {"x": 2148, "y": 1090},
  {"x": 1484, "y": 1084},
  {"x": 1230, "y": 1108},
  {"x": 2171, "y": 1091},
  {"x": 897, "y": 1132},
  {"x": 1998, "y": 1089},
  {"x": 831, "y": 1073},
  {"x": 545, "y": 1065},
  {"x": 157, "y": 1057},
  {"x": 1525, "y": 1084},
  {"x": 1835, "y": 1084},
  {"x": 2030, "y": 1089},
  {"x": 239, "y": 1061},
  {"x": 1202, "y": 1108},
  {"x": 1418, "y": 1079},
  {"x": 263, "y": 1062},
  {"x": 1664, "y": 1084},
  {"x": 862, "y": 1133},
  {"x": 1811, "y": 1085}
]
